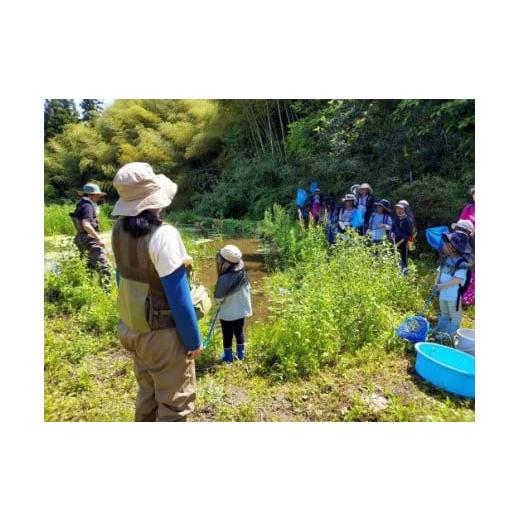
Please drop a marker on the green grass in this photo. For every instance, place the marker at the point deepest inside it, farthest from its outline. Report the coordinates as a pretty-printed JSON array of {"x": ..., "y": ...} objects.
[
  {"x": 363, "y": 375},
  {"x": 56, "y": 219}
]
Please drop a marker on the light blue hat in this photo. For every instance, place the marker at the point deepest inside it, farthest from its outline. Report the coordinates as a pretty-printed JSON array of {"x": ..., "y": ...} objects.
[{"x": 91, "y": 189}]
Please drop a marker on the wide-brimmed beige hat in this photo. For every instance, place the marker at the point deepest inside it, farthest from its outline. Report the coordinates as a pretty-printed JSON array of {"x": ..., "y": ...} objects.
[
  {"x": 366, "y": 186},
  {"x": 139, "y": 189}
]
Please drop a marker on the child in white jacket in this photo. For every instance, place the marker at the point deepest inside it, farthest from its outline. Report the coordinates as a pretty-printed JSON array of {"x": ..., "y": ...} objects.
[{"x": 233, "y": 293}]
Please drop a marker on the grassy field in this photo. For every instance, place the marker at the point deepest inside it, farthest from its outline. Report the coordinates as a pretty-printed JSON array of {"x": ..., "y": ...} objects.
[
  {"x": 299, "y": 367},
  {"x": 58, "y": 222},
  {"x": 56, "y": 219}
]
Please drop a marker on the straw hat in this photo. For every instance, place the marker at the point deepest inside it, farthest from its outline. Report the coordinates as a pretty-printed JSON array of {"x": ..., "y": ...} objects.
[
  {"x": 139, "y": 189},
  {"x": 90, "y": 189},
  {"x": 464, "y": 225},
  {"x": 365, "y": 186},
  {"x": 231, "y": 253}
]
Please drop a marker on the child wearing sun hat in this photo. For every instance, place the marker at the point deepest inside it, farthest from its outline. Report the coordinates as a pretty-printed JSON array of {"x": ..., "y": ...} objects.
[
  {"x": 451, "y": 280},
  {"x": 233, "y": 293},
  {"x": 402, "y": 231},
  {"x": 380, "y": 222}
]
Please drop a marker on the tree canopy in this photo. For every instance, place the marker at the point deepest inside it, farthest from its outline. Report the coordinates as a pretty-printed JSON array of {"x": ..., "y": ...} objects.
[{"x": 237, "y": 157}]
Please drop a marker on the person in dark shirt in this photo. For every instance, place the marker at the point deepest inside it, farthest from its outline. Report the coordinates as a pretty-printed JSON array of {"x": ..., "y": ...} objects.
[
  {"x": 87, "y": 238},
  {"x": 402, "y": 231},
  {"x": 365, "y": 201}
]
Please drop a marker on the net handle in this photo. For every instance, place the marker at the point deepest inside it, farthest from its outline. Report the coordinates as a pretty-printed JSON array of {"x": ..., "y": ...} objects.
[{"x": 428, "y": 301}]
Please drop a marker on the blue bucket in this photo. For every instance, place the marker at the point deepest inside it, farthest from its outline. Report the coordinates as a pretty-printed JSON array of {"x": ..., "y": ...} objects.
[{"x": 446, "y": 368}]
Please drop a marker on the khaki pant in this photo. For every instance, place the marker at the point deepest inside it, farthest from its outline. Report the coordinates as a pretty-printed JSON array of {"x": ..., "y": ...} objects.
[{"x": 166, "y": 378}]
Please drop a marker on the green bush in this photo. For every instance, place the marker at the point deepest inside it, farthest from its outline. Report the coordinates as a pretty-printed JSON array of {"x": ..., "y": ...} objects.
[
  {"x": 287, "y": 242},
  {"x": 434, "y": 200},
  {"x": 182, "y": 217},
  {"x": 58, "y": 222},
  {"x": 74, "y": 290},
  {"x": 329, "y": 302},
  {"x": 238, "y": 228}
]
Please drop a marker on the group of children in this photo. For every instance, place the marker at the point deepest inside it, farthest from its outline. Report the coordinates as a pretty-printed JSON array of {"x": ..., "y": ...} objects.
[
  {"x": 380, "y": 222},
  {"x": 359, "y": 210}
]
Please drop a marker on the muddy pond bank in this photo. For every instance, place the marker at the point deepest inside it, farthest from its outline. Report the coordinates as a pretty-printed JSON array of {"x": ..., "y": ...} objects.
[{"x": 252, "y": 251}]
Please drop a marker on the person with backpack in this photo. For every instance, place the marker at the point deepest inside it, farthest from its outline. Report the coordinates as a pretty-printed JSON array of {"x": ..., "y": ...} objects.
[
  {"x": 411, "y": 216},
  {"x": 380, "y": 222},
  {"x": 365, "y": 202},
  {"x": 301, "y": 211},
  {"x": 468, "y": 213},
  {"x": 452, "y": 280},
  {"x": 346, "y": 214},
  {"x": 158, "y": 323},
  {"x": 466, "y": 226},
  {"x": 87, "y": 239},
  {"x": 402, "y": 231},
  {"x": 315, "y": 203},
  {"x": 332, "y": 212},
  {"x": 233, "y": 294}
]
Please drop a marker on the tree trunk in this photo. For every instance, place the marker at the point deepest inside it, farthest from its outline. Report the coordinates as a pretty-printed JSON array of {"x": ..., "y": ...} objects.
[
  {"x": 281, "y": 128},
  {"x": 256, "y": 125},
  {"x": 269, "y": 127}
]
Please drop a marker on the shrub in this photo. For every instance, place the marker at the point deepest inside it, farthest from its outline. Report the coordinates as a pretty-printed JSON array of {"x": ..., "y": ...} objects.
[
  {"x": 239, "y": 228},
  {"x": 286, "y": 241},
  {"x": 73, "y": 289},
  {"x": 326, "y": 303},
  {"x": 58, "y": 222},
  {"x": 435, "y": 201}
]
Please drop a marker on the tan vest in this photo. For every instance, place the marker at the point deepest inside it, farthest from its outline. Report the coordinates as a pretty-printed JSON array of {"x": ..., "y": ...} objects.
[{"x": 141, "y": 299}]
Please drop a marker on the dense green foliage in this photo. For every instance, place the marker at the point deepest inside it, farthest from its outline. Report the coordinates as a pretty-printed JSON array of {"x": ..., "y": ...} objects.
[
  {"x": 89, "y": 376},
  {"x": 332, "y": 313},
  {"x": 236, "y": 158},
  {"x": 90, "y": 108},
  {"x": 57, "y": 113},
  {"x": 57, "y": 221},
  {"x": 328, "y": 302}
]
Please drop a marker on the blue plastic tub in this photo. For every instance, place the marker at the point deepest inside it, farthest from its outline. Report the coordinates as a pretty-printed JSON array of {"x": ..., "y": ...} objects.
[{"x": 446, "y": 368}]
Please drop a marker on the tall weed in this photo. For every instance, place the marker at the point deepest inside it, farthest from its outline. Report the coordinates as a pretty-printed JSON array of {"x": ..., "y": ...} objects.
[
  {"x": 57, "y": 221},
  {"x": 71, "y": 289},
  {"x": 329, "y": 302}
]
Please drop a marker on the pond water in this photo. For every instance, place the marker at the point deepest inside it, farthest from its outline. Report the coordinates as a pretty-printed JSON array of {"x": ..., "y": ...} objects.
[
  {"x": 253, "y": 256},
  {"x": 252, "y": 252}
]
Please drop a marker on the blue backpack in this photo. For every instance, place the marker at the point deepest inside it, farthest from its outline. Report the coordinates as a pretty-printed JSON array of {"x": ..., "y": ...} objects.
[{"x": 301, "y": 197}]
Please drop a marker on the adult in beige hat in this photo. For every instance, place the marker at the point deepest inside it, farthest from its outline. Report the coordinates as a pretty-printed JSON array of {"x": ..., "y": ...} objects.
[
  {"x": 365, "y": 201},
  {"x": 157, "y": 319}
]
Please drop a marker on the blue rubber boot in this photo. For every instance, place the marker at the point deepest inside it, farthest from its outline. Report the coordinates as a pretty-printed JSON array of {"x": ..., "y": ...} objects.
[
  {"x": 227, "y": 357},
  {"x": 241, "y": 352}
]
